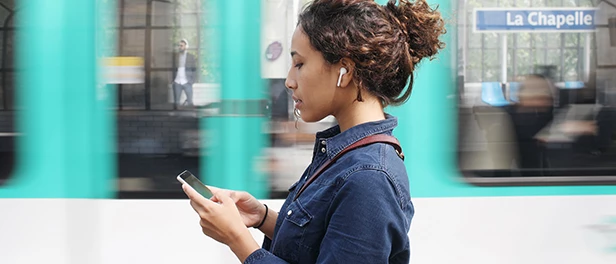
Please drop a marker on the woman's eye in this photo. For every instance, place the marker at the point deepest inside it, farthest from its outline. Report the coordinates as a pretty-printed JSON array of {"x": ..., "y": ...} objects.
[{"x": 299, "y": 65}]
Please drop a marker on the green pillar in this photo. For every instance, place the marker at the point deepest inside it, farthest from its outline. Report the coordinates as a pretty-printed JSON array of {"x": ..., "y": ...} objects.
[
  {"x": 234, "y": 137},
  {"x": 427, "y": 120},
  {"x": 65, "y": 148},
  {"x": 104, "y": 115}
]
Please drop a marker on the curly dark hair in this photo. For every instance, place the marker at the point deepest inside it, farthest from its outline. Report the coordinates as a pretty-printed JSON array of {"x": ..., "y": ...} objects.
[{"x": 384, "y": 42}]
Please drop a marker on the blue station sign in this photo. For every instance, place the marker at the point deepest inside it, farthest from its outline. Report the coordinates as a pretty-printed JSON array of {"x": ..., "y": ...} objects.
[{"x": 534, "y": 19}]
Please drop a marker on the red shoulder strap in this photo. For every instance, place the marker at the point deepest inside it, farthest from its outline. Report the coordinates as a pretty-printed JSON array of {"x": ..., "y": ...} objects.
[{"x": 379, "y": 138}]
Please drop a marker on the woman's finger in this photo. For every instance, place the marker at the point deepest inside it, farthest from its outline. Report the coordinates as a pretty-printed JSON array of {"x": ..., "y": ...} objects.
[
  {"x": 215, "y": 189},
  {"x": 225, "y": 200},
  {"x": 190, "y": 192},
  {"x": 216, "y": 193},
  {"x": 243, "y": 196},
  {"x": 194, "y": 195},
  {"x": 199, "y": 201},
  {"x": 198, "y": 207},
  {"x": 235, "y": 195}
]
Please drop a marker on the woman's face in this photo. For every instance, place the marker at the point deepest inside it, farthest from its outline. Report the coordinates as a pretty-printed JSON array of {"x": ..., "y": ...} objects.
[{"x": 312, "y": 80}]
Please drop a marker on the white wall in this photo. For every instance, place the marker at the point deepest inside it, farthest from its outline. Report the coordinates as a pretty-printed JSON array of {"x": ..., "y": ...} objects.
[
  {"x": 504, "y": 230},
  {"x": 278, "y": 18}
]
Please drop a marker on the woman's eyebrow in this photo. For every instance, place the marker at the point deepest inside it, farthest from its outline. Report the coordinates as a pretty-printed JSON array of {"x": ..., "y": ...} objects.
[{"x": 294, "y": 53}]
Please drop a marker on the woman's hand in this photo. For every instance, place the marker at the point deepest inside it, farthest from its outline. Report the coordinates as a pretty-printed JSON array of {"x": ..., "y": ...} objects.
[
  {"x": 251, "y": 210},
  {"x": 221, "y": 220}
]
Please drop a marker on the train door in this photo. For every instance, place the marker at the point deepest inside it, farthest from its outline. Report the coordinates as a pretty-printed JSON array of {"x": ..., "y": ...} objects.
[{"x": 499, "y": 163}]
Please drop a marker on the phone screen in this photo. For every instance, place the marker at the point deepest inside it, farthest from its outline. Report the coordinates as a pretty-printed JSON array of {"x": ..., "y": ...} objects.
[{"x": 195, "y": 183}]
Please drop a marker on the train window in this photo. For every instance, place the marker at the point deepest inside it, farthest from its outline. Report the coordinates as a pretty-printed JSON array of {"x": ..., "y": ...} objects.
[
  {"x": 158, "y": 115},
  {"x": 8, "y": 131},
  {"x": 157, "y": 123},
  {"x": 537, "y": 92}
]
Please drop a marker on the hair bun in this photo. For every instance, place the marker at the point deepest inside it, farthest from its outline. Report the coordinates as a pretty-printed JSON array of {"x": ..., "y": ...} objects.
[{"x": 421, "y": 25}]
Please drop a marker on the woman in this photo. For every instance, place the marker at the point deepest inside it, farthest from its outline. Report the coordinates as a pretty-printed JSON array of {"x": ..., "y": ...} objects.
[{"x": 350, "y": 59}]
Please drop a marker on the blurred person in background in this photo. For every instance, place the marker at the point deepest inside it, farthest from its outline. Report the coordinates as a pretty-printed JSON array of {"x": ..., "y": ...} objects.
[
  {"x": 533, "y": 112},
  {"x": 184, "y": 75},
  {"x": 351, "y": 59},
  {"x": 548, "y": 137}
]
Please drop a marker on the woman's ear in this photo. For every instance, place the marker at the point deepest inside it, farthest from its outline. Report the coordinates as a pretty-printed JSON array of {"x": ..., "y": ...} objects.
[
  {"x": 343, "y": 71},
  {"x": 345, "y": 74}
]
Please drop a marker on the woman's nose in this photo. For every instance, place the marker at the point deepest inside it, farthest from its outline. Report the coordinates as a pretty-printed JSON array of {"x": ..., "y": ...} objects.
[{"x": 290, "y": 84}]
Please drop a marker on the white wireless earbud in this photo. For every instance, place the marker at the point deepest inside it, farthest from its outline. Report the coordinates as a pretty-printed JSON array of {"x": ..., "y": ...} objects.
[{"x": 343, "y": 71}]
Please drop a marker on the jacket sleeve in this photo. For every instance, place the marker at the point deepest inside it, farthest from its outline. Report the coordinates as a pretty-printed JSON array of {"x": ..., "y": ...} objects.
[
  {"x": 367, "y": 223},
  {"x": 263, "y": 255}
]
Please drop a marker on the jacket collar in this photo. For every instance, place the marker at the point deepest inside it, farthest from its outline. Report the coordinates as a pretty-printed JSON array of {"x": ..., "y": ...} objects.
[{"x": 335, "y": 141}]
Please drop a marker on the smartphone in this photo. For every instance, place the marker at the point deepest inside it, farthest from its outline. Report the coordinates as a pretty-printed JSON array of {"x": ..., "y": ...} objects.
[{"x": 188, "y": 178}]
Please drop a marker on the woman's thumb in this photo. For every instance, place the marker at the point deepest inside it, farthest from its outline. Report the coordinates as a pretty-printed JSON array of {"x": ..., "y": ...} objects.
[
  {"x": 224, "y": 198},
  {"x": 235, "y": 196}
]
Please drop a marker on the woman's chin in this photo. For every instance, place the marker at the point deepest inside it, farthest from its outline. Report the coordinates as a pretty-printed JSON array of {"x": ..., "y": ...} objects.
[
  {"x": 307, "y": 120},
  {"x": 311, "y": 119}
]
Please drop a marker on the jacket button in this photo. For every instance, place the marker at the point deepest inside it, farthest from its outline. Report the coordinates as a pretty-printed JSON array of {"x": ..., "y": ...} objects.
[
  {"x": 323, "y": 150},
  {"x": 289, "y": 212},
  {"x": 323, "y": 142}
]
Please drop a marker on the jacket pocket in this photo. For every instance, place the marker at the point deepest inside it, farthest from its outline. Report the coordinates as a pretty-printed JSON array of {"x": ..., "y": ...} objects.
[
  {"x": 297, "y": 214},
  {"x": 290, "y": 241}
]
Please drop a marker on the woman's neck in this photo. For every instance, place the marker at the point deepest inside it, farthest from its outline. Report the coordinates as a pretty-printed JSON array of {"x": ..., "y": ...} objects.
[{"x": 360, "y": 112}]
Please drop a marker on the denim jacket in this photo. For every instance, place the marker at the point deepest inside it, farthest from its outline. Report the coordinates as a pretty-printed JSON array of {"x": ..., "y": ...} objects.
[{"x": 357, "y": 211}]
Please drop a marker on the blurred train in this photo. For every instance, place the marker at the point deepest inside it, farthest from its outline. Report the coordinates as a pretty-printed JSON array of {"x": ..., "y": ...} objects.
[{"x": 508, "y": 133}]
